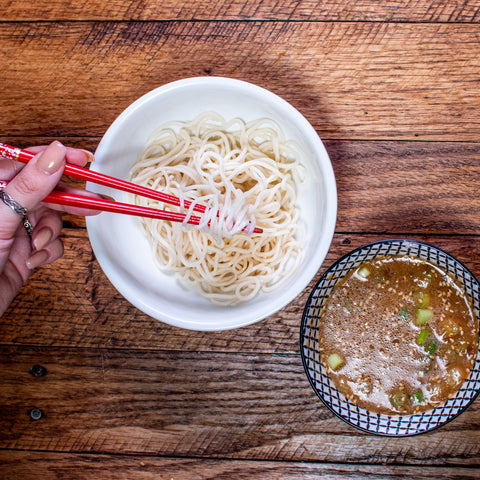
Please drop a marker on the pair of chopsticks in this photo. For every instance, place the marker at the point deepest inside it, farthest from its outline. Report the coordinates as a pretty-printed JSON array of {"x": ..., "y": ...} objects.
[{"x": 74, "y": 200}]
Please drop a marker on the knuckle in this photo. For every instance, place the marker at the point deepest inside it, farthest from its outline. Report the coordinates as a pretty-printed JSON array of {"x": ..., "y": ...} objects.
[{"x": 25, "y": 184}]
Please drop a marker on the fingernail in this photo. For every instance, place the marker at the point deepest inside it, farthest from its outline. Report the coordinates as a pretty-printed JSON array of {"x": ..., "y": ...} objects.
[
  {"x": 42, "y": 238},
  {"x": 37, "y": 259},
  {"x": 52, "y": 159},
  {"x": 89, "y": 155}
]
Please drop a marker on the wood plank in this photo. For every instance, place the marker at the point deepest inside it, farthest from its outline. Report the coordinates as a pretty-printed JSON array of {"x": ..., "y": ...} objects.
[
  {"x": 72, "y": 303},
  {"x": 404, "y": 188},
  {"x": 423, "y": 187},
  {"x": 88, "y": 143},
  {"x": 58, "y": 466},
  {"x": 293, "y": 10},
  {"x": 351, "y": 80},
  {"x": 187, "y": 404}
]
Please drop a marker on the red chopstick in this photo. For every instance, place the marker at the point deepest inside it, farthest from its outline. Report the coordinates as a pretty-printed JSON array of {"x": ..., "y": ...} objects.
[
  {"x": 82, "y": 201},
  {"x": 14, "y": 153},
  {"x": 74, "y": 200}
]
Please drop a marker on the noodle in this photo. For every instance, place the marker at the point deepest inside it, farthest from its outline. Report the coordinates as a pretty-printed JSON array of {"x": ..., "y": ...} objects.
[{"x": 246, "y": 174}]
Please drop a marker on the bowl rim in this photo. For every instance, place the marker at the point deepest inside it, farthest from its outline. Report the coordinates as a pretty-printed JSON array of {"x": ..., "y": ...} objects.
[
  {"x": 385, "y": 417},
  {"x": 330, "y": 200}
]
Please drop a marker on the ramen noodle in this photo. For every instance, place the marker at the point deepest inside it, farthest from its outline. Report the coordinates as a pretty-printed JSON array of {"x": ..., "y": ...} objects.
[{"x": 246, "y": 174}]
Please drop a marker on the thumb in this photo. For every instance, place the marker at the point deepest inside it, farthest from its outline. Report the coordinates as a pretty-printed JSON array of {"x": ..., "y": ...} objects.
[{"x": 28, "y": 188}]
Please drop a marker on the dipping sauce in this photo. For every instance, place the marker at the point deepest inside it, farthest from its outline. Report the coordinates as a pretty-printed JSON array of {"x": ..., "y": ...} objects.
[{"x": 398, "y": 335}]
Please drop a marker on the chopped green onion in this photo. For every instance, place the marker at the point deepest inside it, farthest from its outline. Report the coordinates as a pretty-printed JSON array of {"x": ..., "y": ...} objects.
[
  {"x": 404, "y": 314},
  {"x": 398, "y": 399},
  {"x": 421, "y": 299},
  {"x": 431, "y": 347},
  {"x": 423, "y": 316},
  {"x": 422, "y": 336},
  {"x": 418, "y": 397},
  {"x": 363, "y": 272},
  {"x": 335, "y": 361}
]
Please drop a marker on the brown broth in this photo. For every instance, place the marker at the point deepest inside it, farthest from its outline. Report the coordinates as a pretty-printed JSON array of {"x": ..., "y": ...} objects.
[{"x": 389, "y": 354}]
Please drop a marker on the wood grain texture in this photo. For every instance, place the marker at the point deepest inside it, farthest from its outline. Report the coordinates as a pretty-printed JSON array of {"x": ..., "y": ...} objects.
[
  {"x": 293, "y": 10},
  {"x": 59, "y": 466},
  {"x": 404, "y": 188},
  {"x": 351, "y": 80},
  {"x": 187, "y": 404},
  {"x": 396, "y": 187},
  {"x": 391, "y": 87},
  {"x": 71, "y": 303}
]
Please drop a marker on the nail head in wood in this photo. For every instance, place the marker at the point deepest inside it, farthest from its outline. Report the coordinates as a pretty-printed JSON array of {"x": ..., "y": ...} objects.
[
  {"x": 36, "y": 414},
  {"x": 38, "y": 371}
]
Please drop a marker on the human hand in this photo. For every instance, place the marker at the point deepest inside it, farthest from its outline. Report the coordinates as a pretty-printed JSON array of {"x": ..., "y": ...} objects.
[{"x": 28, "y": 186}]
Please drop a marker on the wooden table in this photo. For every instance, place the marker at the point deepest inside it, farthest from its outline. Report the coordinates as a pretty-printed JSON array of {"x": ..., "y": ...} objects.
[{"x": 93, "y": 388}]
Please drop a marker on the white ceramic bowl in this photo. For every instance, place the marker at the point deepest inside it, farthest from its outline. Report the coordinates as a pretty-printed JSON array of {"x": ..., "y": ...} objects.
[{"x": 123, "y": 251}]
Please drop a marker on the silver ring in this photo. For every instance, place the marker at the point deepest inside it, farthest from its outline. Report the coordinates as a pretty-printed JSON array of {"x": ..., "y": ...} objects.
[{"x": 18, "y": 209}]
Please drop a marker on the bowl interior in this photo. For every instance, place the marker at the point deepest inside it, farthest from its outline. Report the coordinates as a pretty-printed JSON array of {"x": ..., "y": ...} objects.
[
  {"x": 123, "y": 251},
  {"x": 391, "y": 425}
]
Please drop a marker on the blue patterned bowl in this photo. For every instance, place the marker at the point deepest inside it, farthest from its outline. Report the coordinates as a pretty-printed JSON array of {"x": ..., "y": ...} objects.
[{"x": 381, "y": 424}]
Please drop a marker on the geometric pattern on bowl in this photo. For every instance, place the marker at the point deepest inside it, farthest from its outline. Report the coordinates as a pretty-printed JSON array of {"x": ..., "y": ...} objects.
[{"x": 382, "y": 424}]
